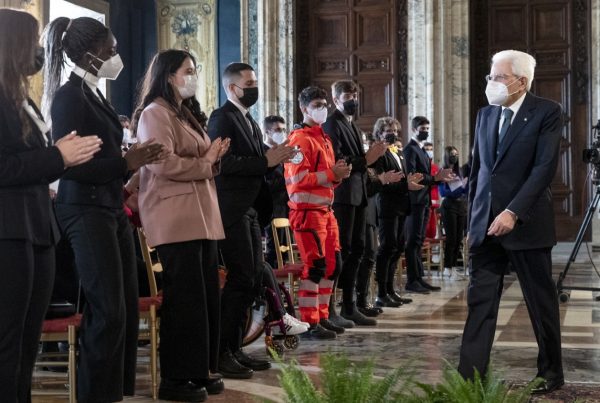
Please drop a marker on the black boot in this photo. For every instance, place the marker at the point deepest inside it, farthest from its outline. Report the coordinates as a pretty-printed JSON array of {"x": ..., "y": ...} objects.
[
  {"x": 365, "y": 308},
  {"x": 351, "y": 312}
]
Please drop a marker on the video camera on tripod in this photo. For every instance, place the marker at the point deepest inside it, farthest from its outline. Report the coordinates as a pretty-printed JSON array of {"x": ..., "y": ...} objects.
[{"x": 590, "y": 156}]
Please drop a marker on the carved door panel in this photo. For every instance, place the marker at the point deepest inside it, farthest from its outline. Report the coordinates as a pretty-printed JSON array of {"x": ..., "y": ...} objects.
[
  {"x": 556, "y": 33},
  {"x": 352, "y": 40}
]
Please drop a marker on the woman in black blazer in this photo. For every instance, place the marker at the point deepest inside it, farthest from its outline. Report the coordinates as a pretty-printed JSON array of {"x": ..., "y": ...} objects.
[
  {"x": 89, "y": 206},
  {"x": 28, "y": 231}
]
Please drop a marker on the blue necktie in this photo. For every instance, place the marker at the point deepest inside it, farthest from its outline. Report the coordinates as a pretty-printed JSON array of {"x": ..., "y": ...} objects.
[{"x": 507, "y": 113}]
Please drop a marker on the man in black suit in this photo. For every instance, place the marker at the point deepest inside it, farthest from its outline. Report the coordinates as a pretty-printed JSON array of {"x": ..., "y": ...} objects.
[
  {"x": 275, "y": 134},
  {"x": 417, "y": 161},
  {"x": 350, "y": 201},
  {"x": 393, "y": 205},
  {"x": 517, "y": 142},
  {"x": 246, "y": 207}
]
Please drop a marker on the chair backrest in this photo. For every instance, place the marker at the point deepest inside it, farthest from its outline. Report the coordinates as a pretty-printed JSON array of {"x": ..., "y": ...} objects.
[
  {"x": 288, "y": 248},
  {"x": 150, "y": 267}
]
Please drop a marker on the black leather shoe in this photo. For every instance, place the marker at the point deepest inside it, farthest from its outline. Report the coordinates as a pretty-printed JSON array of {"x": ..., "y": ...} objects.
[
  {"x": 415, "y": 286},
  {"x": 213, "y": 386},
  {"x": 329, "y": 325},
  {"x": 319, "y": 332},
  {"x": 229, "y": 367},
  {"x": 355, "y": 316},
  {"x": 387, "y": 302},
  {"x": 181, "y": 391},
  {"x": 399, "y": 298},
  {"x": 369, "y": 310},
  {"x": 428, "y": 286},
  {"x": 253, "y": 363},
  {"x": 547, "y": 386}
]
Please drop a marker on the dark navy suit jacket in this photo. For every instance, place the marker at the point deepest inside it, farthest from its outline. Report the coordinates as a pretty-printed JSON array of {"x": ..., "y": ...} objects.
[
  {"x": 417, "y": 160},
  {"x": 519, "y": 177}
]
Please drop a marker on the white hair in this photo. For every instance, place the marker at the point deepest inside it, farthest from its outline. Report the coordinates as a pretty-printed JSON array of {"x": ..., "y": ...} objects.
[{"x": 523, "y": 64}]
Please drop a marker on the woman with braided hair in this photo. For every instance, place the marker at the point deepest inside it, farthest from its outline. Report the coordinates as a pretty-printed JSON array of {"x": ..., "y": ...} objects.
[{"x": 89, "y": 205}]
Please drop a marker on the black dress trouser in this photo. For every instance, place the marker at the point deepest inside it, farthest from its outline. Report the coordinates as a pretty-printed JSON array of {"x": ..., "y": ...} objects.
[
  {"x": 189, "y": 315},
  {"x": 454, "y": 220},
  {"x": 102, "y": 242},
  {"x": 534, "y": 271},
  {"x": 391, "y": 246},
  {"x": 363, "y": 277},
  {"x": 27, "y": 276},
  {"x": 351, "y": 223},
  {"x": 415, "y": 235},
  {"x": 242, "y": 254}
]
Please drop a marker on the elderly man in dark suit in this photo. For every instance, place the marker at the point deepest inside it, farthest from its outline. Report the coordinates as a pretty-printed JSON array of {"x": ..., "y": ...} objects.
[
  {"x": 510, "y": 214},
  {"x": 246, "y": 207},
  {"x": 350, "y": 201}
]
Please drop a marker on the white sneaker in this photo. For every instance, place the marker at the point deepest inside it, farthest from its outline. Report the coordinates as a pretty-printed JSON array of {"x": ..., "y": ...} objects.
[
  {"x": 292, "y": 327},
  {"x": 447, "y": 272},
  {"x": 459, "y": 274},
  {"x": 294, "y": 319}
]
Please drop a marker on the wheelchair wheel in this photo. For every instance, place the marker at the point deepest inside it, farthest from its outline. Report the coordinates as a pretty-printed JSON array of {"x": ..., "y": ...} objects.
[
  {"x": 291, "y": 342},
  {"x": 255, "y": 325}
]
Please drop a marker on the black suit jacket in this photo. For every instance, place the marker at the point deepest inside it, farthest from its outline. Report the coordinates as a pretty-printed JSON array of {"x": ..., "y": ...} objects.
[
  {"x": 418, "y": 161},
  {"x": 393, "y": 199},
  {"x": 99, "y": 181},
  {"x": 241, "y": 183},
  {"x": 276, "y": 182},
  {"x": 519, "y": 178},
  {"x": 27, "y": 167},
  {"x": 347, "y": 144}
]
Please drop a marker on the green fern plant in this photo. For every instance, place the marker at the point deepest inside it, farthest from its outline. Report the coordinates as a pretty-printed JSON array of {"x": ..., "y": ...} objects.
[{"x": 345, "y": 381}]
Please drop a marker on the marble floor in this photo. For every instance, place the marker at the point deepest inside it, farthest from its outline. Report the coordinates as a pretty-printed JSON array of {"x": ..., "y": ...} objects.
[{"x": 423, "y": 334}]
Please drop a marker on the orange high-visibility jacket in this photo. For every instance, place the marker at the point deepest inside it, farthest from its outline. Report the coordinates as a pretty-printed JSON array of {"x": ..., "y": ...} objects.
[{"x": 309, "y": 178}]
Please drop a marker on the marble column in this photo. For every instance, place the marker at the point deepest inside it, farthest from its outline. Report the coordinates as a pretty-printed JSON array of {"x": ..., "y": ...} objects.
[
  {"x": 438, "y": 71},
  {"x": 268, "y": 45},
  {"x": 595, "y": 84}
]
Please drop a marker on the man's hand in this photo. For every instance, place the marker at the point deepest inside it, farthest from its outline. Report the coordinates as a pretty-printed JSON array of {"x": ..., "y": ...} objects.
[
  {"x": 341, "y": 170},
  {"x": 390, "y": 177},
  {"x": 502, "y": 224},
  {"x": 377, "y": 150},
  {"x": 279, "y": 153},
  {"x": 413, "y": 181},
  {"x": 444, "y": 175}
]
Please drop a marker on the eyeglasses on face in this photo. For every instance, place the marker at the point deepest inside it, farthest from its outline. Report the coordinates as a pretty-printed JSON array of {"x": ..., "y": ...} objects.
[{"x": 499, "y": 77}]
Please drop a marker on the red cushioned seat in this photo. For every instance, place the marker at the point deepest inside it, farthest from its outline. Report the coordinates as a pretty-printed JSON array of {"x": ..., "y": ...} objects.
[
  {"x": 145, "y": 302},
  {"x": 61, "y": 325}
]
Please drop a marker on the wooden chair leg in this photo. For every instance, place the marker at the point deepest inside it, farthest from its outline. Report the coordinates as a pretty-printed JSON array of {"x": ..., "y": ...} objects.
[{"x": 72, "y": 365}]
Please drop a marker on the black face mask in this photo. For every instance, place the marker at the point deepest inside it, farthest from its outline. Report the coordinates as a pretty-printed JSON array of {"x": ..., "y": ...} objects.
[
  {"x": 422, "y": 136},
  {"x": 38, "y": 61},
  {"x": 390, "y": 138},
  {"x": 453, "y": 159},
  {"x": 350, "y": 107},
  {"x": 250, "y": 96}
]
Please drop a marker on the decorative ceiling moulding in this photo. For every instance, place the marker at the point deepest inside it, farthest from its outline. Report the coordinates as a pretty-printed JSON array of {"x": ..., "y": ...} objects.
[{"x": 191, "y": 26}]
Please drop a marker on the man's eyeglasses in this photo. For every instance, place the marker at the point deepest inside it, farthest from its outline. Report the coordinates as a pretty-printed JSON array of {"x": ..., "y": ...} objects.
[
  {"x": 499, "y": 77},
  {"x": 319, "y": 106}
]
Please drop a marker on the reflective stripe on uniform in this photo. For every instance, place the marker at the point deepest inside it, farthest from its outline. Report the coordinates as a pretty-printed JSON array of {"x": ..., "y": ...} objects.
[
  {"x": 308, "y": 285},
  {"x": 296, "y": 178},
  {"x": 325, "y": 283},
  {"x": 308, "y": 302},
  {"x": 310, "y": 198},
  {"x": 324, "y": 298},
  {"x": 322, "y": 178}
]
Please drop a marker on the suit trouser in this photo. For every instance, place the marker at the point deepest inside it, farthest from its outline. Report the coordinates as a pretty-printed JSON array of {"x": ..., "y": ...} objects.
[
  {"x": 102, "y": 242},
  {"x": 189, "y": 315},
  {"x": 391, "y": 246},
  {"x": 27, "y": 275},
  {"x": 242, "y": 254},
  {"x": 316, "y": 234},
  {"x": 363, "y": 277},
  {"x": 454, "y": 226},
  {"x": 534, "y": 271},
  {"x": 415, "y": 235},
  {"x": 351, "y": 222}
]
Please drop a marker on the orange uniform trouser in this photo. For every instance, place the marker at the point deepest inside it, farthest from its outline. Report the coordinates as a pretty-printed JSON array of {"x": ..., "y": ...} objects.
[{"x": 317, "y": 237}]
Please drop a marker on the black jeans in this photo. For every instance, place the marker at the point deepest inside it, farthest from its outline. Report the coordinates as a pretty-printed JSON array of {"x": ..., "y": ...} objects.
[
  {"x": 454, "y": 221},
  {"x": 242, "y": 254},
  {"x": 190, "y": 312},
  {"x": 415, "y": 235},
  {"x": 534, "y": 270},
  {"x": 363, "y": 277},
  {"x": 105, "y": 259},
  {"x": 351, "y": 223},
  {"x": 391, "y": 246},
  {"x": 27, "y": 276}
]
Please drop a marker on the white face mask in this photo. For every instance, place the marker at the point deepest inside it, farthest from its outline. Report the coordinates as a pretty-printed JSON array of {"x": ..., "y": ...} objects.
[
  {"x": 110, "y": 68},
  {"x": 279, "y": 137},
  {"x": 319, "y": 116},
  {"x": 430, "y": 154},
  {"x": 189, "y": 87},
  {"x": 497, "y": 92},
  {"x": 126, "y": 135}
]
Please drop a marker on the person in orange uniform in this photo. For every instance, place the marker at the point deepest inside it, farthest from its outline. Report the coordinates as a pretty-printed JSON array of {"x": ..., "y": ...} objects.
[{"x": 310, "y": 178}]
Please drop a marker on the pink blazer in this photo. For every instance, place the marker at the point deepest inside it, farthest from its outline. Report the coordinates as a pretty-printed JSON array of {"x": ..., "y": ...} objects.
[{"x": 177, "y": 197}]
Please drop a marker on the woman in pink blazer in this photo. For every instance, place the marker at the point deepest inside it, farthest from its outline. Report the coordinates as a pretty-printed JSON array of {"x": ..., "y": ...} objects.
[{"x": 180, "y": 215}]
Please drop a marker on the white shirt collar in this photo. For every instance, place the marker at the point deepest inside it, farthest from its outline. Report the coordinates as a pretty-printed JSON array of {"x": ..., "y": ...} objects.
[
  {"x": 239, "y": 106},
  {"x": 90, "y": 79},
  {"x": 420, "y": 143},
  {"x": 515, "y": 106}
]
